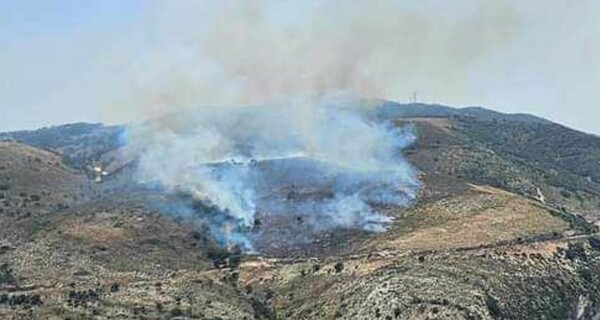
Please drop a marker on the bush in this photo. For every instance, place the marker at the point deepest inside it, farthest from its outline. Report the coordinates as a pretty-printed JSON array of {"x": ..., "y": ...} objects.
[
  {"x": 576, "y": 251},
  {"x": 339, "y": 266},
  {"x": 6, "y": 274},
  {"x": 176, "y": 312},
  {"x": 115, "y": 287},
  {"x": 493, "y": 307},
  {"x": 594, "y": 243}
]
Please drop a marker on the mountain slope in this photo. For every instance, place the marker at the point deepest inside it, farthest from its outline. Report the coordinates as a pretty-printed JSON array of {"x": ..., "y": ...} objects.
[
  {"x": 78, "y": 143},
  {"x": 503, "y": 229},
  {"x": 519, "y": 153}
]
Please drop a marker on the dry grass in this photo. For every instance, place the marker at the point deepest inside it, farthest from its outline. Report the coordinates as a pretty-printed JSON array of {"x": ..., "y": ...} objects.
[
  {"x": 101, "y": 233},
  {"x": 484, "y": 215},
  {"x": 440, "y": 123}
]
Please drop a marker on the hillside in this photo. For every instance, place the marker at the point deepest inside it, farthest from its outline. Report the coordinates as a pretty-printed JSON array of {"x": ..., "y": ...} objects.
[
  {"x": 78, "y": 142},
  {"x": 504, "y": 228},
  {"x": 34, "y": 183},
  {"x": 393, "y": 110},
  {"x": 516, "y": 155}
]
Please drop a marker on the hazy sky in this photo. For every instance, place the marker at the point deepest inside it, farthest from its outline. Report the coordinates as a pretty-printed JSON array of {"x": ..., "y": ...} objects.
[{"x": 116, "y": 60}]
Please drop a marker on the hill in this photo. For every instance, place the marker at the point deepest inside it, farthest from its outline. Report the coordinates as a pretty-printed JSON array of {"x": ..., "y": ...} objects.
[
  {"x": 77, "y": 142},
  {"x": 505, "y": 227}
]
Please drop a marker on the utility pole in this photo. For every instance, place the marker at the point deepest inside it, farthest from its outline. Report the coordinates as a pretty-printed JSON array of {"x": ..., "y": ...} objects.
[{"x": 413, "y": 97}]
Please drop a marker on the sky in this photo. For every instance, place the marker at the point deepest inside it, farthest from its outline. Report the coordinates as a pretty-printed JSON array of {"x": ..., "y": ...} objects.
[{"x": 120, "y": 61}]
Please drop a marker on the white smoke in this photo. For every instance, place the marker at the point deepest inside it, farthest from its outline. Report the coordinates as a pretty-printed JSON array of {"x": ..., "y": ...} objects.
[
  {"x": 297, "y": 68},
  {"x": 229, "y": 158},
  {"x": 251, "y": 51}
]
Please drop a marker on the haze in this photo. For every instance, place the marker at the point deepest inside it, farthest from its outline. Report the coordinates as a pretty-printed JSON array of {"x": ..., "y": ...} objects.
[{"x": 122, "y": 61}]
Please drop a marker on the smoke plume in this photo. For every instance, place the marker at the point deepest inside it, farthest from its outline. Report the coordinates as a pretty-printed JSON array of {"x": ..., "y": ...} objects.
[
  {"x": 213, "y": 53},
  {"x": 323, "y": 160},
  {"x": 299, "y": 142}
]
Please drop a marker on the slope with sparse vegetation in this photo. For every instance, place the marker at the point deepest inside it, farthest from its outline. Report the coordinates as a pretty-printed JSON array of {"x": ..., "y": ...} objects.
[{"x": 479, "y": 244}]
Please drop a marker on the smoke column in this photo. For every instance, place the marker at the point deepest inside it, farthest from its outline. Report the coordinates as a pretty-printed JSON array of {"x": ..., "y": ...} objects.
[
  {"x": 234, "y": 159},
  {"x": 248, "y": 52},
  {"x": 253, "y": 105}
]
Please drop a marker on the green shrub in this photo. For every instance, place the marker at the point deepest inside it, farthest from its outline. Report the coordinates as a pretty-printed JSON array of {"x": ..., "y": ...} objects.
[
  {"x": 6, "y": 274},
  {"x": 176, "y": 312}
]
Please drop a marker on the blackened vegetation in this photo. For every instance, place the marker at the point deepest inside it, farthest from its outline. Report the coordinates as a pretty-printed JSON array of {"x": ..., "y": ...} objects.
[{"x": 205, "y": 215}]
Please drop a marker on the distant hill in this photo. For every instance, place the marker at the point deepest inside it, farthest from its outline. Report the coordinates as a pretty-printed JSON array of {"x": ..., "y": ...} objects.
[
  {"x": 517, "y": 152},
  {"x": 393, "y": 110},
  {"x": 78, "y": 142}
]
